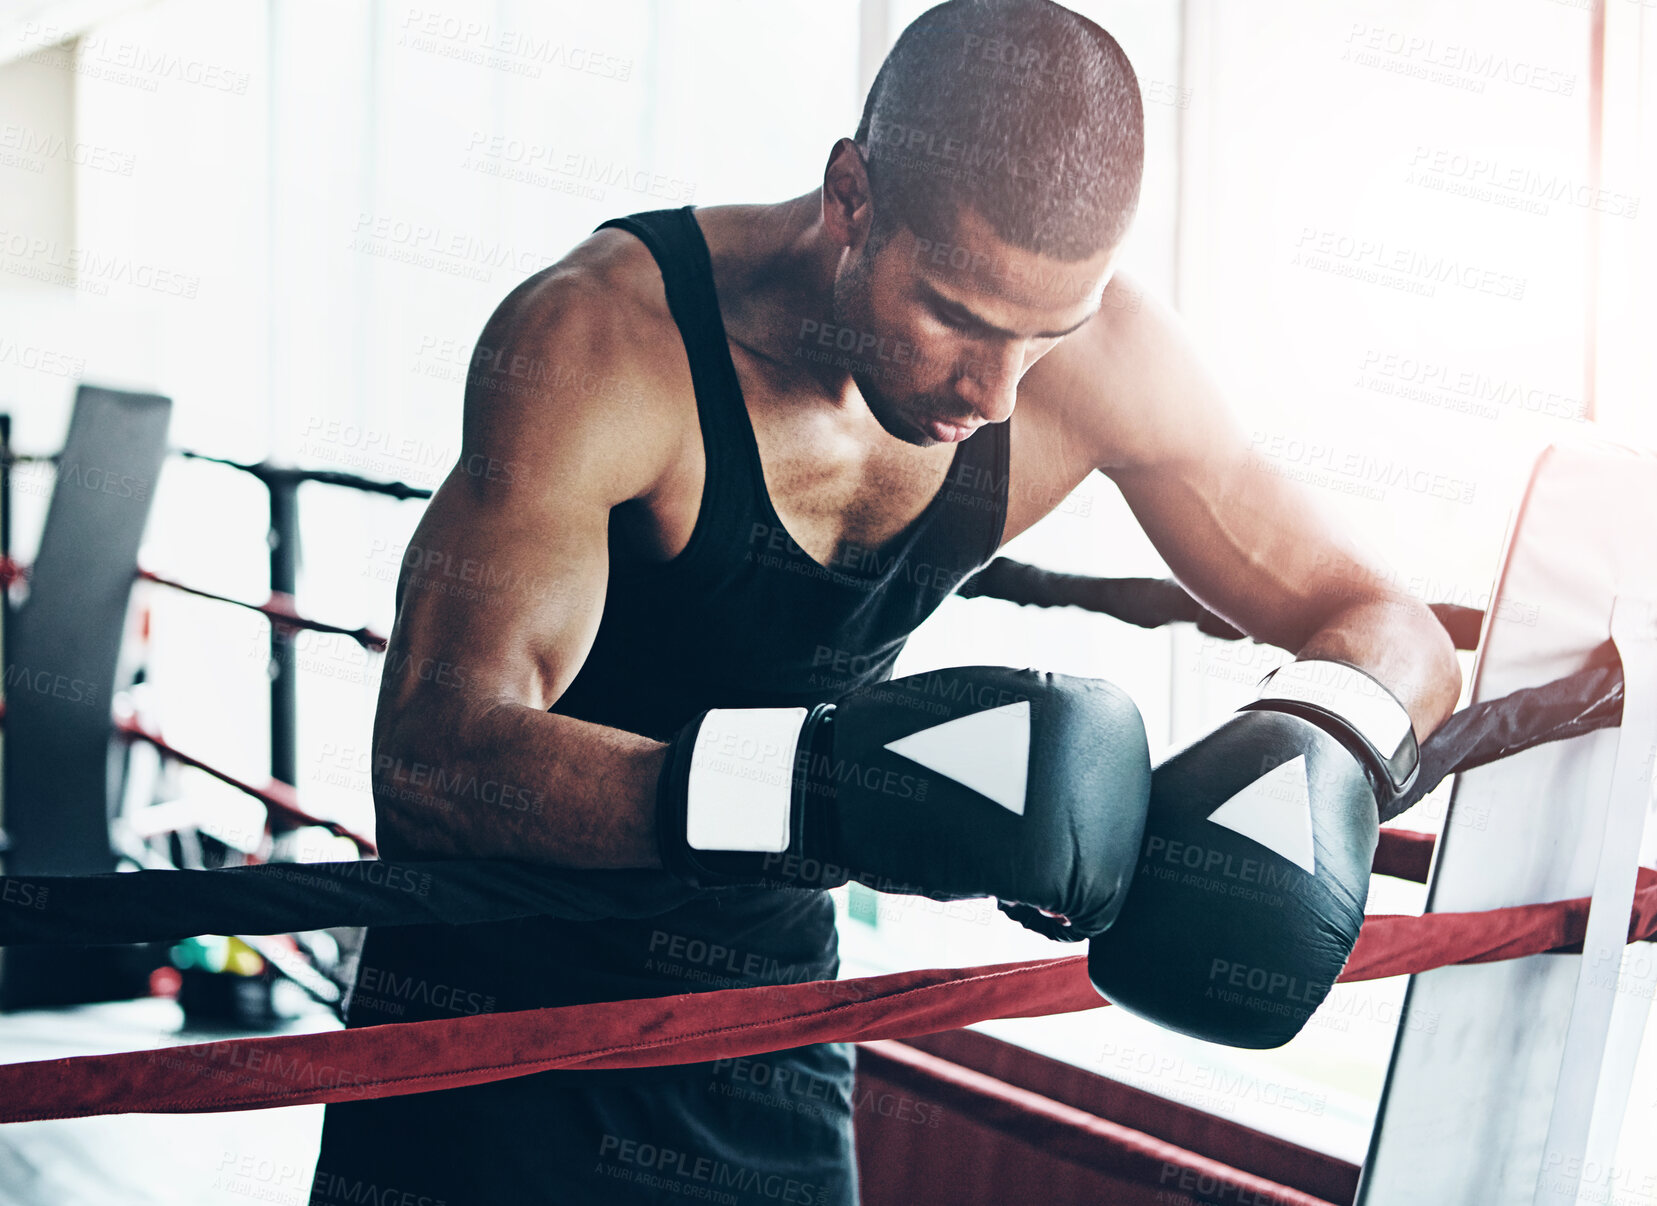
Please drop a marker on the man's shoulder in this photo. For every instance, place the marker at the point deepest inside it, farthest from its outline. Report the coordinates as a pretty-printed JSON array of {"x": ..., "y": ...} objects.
[
  {"x": 590, "y": 332},
  {"x": 1130, "y": 386},
  {"x": 582, "y": 363},
  {"x": 601, "y": 311},
  {"x": 617, "y": 263}
]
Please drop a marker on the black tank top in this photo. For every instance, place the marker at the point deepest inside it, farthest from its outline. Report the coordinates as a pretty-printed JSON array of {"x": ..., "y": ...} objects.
[{"x": 742, "y": 617}]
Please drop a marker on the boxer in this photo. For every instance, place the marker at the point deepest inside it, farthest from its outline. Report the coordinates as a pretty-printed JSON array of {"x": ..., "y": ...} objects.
[{"x": 716, "y": 466}]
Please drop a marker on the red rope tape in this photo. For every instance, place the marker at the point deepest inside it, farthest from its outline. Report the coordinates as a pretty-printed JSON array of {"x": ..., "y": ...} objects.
[{"x": 419, "y": 1057}]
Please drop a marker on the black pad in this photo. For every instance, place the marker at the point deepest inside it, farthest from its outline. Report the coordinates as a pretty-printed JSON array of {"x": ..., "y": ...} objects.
[{"x": 65, "y": 640}]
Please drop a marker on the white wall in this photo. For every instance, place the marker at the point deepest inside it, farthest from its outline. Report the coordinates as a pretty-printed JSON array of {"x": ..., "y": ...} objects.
[{"x": 300, "y": 215}]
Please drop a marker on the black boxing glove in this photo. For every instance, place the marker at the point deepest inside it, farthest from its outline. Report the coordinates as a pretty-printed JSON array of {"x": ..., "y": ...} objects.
[
  {"x": 1251, "y": 885},
  {"x": 958, "y": 783}
]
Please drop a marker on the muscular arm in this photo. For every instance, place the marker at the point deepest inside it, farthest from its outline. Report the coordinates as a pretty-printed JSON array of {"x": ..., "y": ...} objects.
[
  {"x": 1250, "y": 545},
  {"x": 499, "y": 600}
]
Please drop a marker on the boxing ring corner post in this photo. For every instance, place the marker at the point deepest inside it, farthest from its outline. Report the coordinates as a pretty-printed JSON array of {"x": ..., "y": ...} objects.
[
  {"x": 1517, "y": 1091},
  {"x": 61, "y": 661}
]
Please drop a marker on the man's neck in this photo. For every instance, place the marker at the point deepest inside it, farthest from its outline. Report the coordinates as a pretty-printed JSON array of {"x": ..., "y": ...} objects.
[{"x": 776, "y": 277}]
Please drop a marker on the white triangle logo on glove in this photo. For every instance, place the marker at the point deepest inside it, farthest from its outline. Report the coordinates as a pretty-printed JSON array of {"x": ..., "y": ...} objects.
[
  {"x": 988, "y": 751},
  {"x": 1276, "y": 811}
]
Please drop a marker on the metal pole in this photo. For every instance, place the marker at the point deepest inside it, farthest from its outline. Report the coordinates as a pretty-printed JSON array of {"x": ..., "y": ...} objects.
[
  {"x": 284, "y": 679},
  {"x": 5, "y": 597},
  {"x": 5, "y": 484}
]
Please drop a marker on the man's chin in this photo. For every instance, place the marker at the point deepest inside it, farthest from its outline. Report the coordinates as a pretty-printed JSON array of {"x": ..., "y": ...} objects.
[
  {"x": 925, "y": 433},
  {"x": 908, "y": 432},
  {"x": 899, "y": 425}
]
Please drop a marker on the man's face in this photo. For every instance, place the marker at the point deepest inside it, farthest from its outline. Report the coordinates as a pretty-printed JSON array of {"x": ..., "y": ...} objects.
[{"x": 943, "y": 328}]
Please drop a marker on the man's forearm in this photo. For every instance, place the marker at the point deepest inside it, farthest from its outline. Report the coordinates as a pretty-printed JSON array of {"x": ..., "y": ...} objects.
[
  {"x": 516, "y": 782},
  {"x": 1402, "y": 644}
]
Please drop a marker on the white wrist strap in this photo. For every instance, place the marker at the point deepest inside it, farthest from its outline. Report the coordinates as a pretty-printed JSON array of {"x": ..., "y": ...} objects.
[
  {"x": 740, "y": 791},
  {"x": 1348, "y": 693}
]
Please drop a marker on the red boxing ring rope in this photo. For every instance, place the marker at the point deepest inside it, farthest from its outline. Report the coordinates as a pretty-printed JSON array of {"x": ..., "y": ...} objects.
[{"x": 419, "y": 1057}]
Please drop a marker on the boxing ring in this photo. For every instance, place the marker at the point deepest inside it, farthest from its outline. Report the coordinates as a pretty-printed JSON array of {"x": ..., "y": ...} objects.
[{"x": 1516, "y": 1095}]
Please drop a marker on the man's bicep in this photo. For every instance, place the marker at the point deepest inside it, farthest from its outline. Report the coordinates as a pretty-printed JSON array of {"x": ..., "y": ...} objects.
[
  {"x": 1251, "y": 545},
  {"x": 496, "y": 603},
  {"x": 506, "y": 576}
]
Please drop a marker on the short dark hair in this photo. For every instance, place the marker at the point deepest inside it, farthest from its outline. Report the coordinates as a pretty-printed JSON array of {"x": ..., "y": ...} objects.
[{"x": 1021, "y": 110}]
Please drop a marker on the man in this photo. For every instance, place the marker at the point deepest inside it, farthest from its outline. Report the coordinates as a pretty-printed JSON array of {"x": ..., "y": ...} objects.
[{"x": 731, "y": 459}]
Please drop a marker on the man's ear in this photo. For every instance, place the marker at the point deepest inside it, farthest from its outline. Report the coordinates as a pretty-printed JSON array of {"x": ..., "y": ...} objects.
[{"x": 848, "y": 212}]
